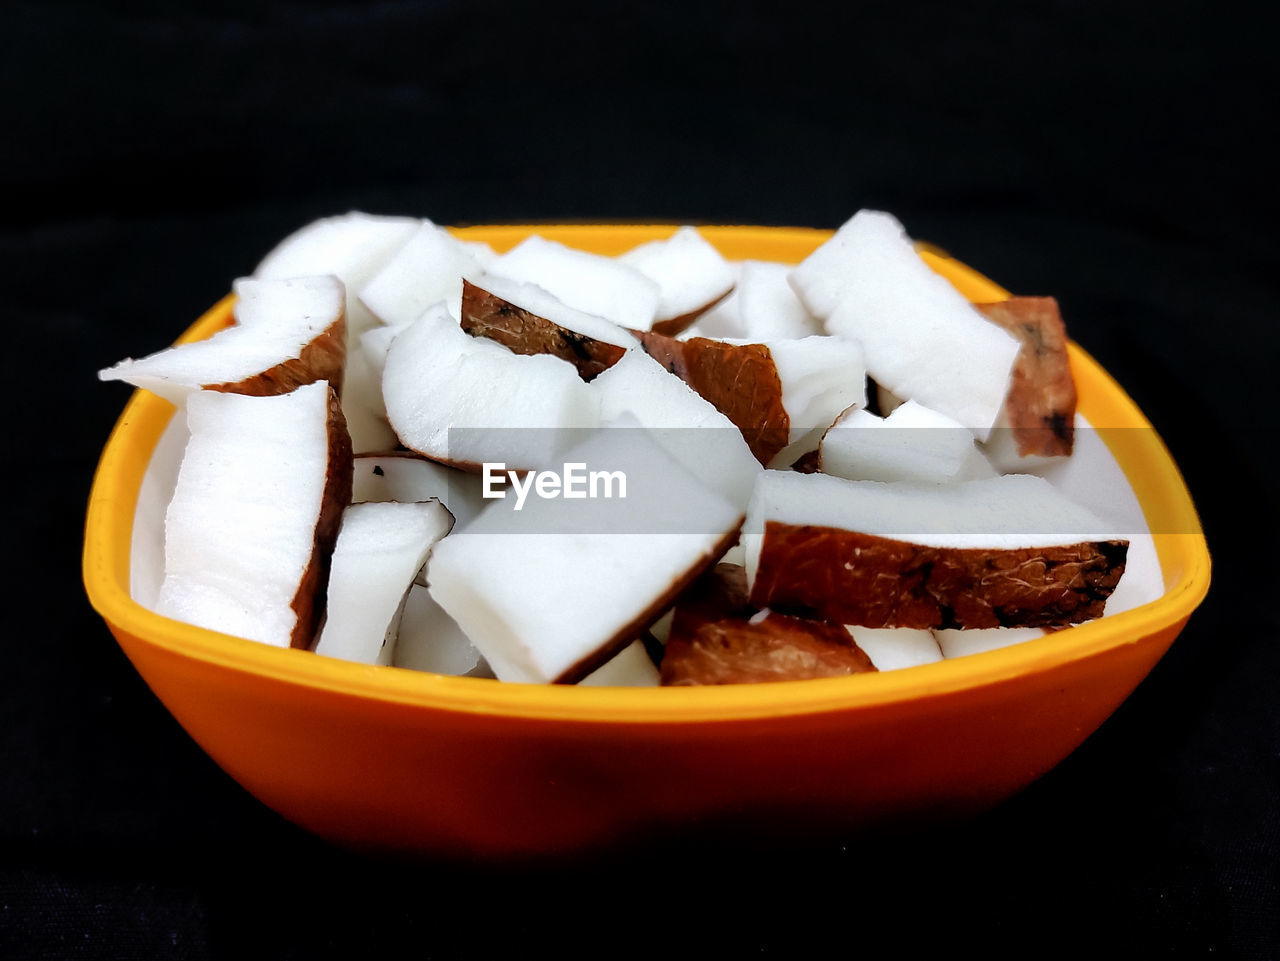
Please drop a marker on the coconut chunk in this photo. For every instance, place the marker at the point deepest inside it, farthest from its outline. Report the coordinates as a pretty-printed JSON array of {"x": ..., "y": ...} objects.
[
  {"x": 768, "y": 307},
  {"x": 688, "y": 426},
  {"x": 407, "y": 478},
  {"x": 894, "y": 648},
  {"x": 527, "y": 320},
  {"x": 602, "y": 286},
  {"x": 615, "y": 562},
  {"x": 718, "y": 637},
  {"x": 1006, "y": 551},
  {"x": 691, "y": 276},
  {"x": 288, "y": 333},
  {"x": 912, "y": 444},
  {"x": 922, "y": 339},
  {"x": 255, "y": 514},
  {"x": 427, "y": 269},
  {"x": 630, "y": 667},
  {"x": 467, "y": 400},
  {"x": 430, "y": 640},
  {"x": 959, "y": 643},
  {"x": 380, "y": 549}
]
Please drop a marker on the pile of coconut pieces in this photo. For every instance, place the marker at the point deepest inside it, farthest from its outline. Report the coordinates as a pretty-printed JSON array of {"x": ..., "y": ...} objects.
[{"x": 827, "y": 466}]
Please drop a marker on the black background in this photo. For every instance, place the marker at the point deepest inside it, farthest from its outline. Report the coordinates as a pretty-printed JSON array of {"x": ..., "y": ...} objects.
[{"x": 1108, "y": 153}]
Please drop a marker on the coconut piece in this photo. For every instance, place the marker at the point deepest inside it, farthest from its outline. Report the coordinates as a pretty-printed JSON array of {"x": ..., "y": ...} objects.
[
  {"x": 509, "y": 577},
  {"x": 740, "y": 380},
  {"x": 1007, "y": 551},
  {"x": 601, "y": 286},
  {"x": 527, "y": 320},
  {"x": 922, "y": 339},
  {"x": 352, "y": 247},
  {"x": 1039, "y": 411},
  {"x": 630, "y": 667},
  {"x": 717, "y": 637},
  {"x": 430, "y": 640},
  {"x": 688, "y": 426},
  {"x": 427, "y": 269},
  {"x": 288, "y": 333},
  {"x": 466, "y": 400},
  {"x": 911, "y": 444},
  {"x": 255, "y": 514},
  {"x": 893, "y": 648},
  {"x": 958, "y": 643},
  {"x": 407, "y": 478},
  {"x": 768, "y": 307},
  {"x": 691, "y": 276},
  {"x": 380, "y": 549}
]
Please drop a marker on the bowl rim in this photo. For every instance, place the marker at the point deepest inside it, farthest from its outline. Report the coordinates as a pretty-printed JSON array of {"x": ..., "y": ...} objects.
[{"x": 1159, "y": 486}]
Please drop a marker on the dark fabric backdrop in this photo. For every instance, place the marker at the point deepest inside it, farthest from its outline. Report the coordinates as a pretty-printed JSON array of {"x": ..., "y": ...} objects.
[{"x": 1108, "y": 153}]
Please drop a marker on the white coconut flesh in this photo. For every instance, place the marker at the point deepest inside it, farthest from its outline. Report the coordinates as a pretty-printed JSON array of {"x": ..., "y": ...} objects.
[
  {"x": 548, "y": 306},
  {"x": 240, "y": 530},
  {"x": 911, "y": 444},
  {"x": 689, "y": 272},
  {"x": 768, "y": 307},
  {"x": 426, "y": 270},
  {"x": 602, "y": 286},
  {"x": 380, "y": 549},
  {"x": 431, "y": 640},
  {"x": 469, "y": 400},
  {"x": 687, "y": 425},
  {"x": 893, "y": 648},
  {"x": 407, "y": 478},
  {"x": 552, "y": 591},
  {"x": 630, "y": 667},
  {"x": 276, "y": 321},
  {"x": 923, "y": 340},
  {"x": 958, "y": 643}
]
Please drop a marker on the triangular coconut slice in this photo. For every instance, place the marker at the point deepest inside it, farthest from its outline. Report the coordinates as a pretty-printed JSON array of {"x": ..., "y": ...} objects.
[
  {"x": 601, "y": 286},
  {"x": 553, "y": 590},
  {"x": 922, "y": 339},
  {"x": 894, "y": 648},
  {"x": 717, "y": 637},
  {"x": 428, "y": 269},
  {"x": 430, "y": 640},
  {"x": 911, "y": 444},
  {"x": 380, "y": 549},
  {"x": 630, "y": 667},
  {"x": 288, "y": 333},
  {"x": 1008, "y": 551},
  {"x": 688, "y": 426},
  {"x": 255, "y": 514},
  {"x": 689, "y": 272},
  {"x": 527, "y": 320},
  {"x": 407, "y": 478},
  {"x": 467, "y": 401},
  {"x": 1039, "y": 411}
]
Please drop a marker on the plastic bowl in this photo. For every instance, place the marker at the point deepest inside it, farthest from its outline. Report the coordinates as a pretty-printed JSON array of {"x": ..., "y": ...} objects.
[{"x": 385, "y": 758}]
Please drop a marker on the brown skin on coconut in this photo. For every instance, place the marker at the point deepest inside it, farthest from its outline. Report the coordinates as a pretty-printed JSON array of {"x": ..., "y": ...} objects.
[
  {"x": 855, "y": 578},
  {"x": 324, "y": 358},
  {"x": 309, "y": 601},
  {"x": 713, "y": 640},
  {"x": 671, "y": 326},
  {"x": 1041, "y": 404},
  {"x": 740, "y": 380},
  {"x": 486, "y": 315}
]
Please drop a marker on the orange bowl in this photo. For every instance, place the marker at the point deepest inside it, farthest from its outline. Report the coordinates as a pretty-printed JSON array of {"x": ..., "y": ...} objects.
[{"x": 386, "y": 758}]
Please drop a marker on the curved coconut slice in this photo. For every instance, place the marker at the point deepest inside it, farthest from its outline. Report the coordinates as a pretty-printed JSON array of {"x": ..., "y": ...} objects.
[
  {"x": 911, "y": 444},
  {"x": 255, "y": 514},
  {"x": 922, "y": 339},
  {"x": 528, "y": 320},
  {"x": 688, "y": 426},
  {"x": 1039, "y": 412},
  {"x": 288, "y": 333},
  {"x": 601, "y": 286},
  {"x": 406, "y": 478},
  {"x": 717, "y": 637},
  {"x": 510, "y": 576},
  {"x": 1009, "y": 551},
  {"x": 427, "y": 269},
  {"x": 430, "y": 640},
  {"x": 380, "y": 549},
  {"x": 691, "y": 276},
  {"x": 630, "y": 667},
  {"x": 466, "y": 400},
  {"x": 894, "y": 648}
]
